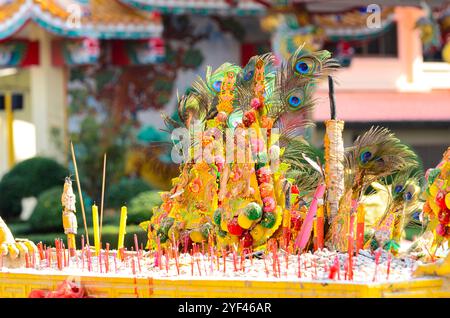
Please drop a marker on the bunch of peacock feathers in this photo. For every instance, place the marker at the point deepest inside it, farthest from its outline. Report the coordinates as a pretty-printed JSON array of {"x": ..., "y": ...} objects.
[
  {"x": 404, "y": 189},
  {"x": 243, "y": 203},
  {"x": 376, "y": 154}
]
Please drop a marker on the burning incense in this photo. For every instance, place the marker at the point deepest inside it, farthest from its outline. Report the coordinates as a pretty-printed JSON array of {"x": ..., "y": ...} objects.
[
  {"x": 107, "y": 258},
  {"x": 136, "y": 244},
  {"x": 103, "y": 195},
  {"x": 377, "y": 260},
  {"x": 388, "y": 266},
  {"x": 41, "y": 251},
  {"x": 82, "y": 252},
  {"x": 79, "y": 192}
]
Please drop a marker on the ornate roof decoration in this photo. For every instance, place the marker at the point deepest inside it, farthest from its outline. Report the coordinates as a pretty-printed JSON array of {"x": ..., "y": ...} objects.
[
  {"x": 102, "y": 19},
  {"x": 201, "y": 7}
]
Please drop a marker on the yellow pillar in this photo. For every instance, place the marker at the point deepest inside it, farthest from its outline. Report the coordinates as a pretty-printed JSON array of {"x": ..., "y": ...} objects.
[{"x": 9, "y": 128}]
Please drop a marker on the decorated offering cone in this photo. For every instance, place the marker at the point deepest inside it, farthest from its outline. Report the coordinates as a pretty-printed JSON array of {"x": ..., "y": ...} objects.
[
  {"x": 334, "y": 157},
  {"x": 69, "y": 219}
]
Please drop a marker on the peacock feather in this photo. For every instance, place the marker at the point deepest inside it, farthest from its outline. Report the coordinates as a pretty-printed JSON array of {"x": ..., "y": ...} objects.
[
  {"x": 296, "y": 80},
  {"x": 376, "y": 154}
]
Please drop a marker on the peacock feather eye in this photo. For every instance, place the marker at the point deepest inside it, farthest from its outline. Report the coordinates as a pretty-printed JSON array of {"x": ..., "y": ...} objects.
[
  {"x": 217, "y": 85},
  {"x": 294, "y": 101},
  {"x": 248, "y": 75},
  {"x": 302, "y": 67},
  {"x": 365, "y": 156},
  {"x": 408, "y": 196},
  {"x": 398, "y": 188}
]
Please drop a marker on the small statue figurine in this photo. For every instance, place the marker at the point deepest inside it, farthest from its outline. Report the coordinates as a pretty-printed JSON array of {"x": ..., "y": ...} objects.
[{"x": 69, "y": 219}]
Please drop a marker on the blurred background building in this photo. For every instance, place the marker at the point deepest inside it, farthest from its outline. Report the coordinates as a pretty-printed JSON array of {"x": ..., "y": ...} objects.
[{"x": 99, "y": 72}]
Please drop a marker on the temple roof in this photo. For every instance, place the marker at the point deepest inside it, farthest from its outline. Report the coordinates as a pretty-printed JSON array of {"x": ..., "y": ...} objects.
[
  {"x": 202, "y": 7},
  {"x": 70, "y": 18}
]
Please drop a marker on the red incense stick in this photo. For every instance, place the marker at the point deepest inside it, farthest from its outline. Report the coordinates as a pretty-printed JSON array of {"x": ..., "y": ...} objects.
[
  {"x": 41, "y": 251},
  {"x": 224, "y": 255},
  {"x": 388, "y": 266},
  {"x": 136, "y": 244},
  {"x": 107, "y": 258},
  {"x": 82, "y": 252}
]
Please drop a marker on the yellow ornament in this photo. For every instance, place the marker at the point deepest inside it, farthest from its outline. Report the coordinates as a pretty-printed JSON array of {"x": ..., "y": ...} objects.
[
  {"x": 173, "y": 232},
  {"x": 447, "y": 200},
  {"x": 233, "y": 239},
  {"x": 196, "y": 236},
  {"x": 446, "y": 53},
  {"x": 434, "y": 189},
  {"x": 257, "y": 233},
  {"x": 244, "y": 221},
  {"x": 223, "y": 225},
  {"x": 434, "y": 207}
]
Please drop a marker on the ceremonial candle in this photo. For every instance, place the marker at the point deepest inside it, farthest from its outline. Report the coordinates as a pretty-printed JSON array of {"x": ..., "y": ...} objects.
[
  {"x": 315, "y": 234},
  {"x": 122, "y": 229},
  {"x": 320, "y": 225},
  {"x": 360, "y": 228},
  {"x": 96, "y": 229}
]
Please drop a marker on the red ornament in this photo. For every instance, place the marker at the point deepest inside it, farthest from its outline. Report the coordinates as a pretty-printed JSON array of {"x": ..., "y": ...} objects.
[
  {"x": 255, "y": 103},
  {"x": 294, "y": 189},
  {"x": 440, "y": 200},
  {"x": 442, "y": 230},
  {"x": 249, "y": 118},
  {"x": 296, "y": 222},
  {"x": 444, "y": 216},
  {"x": 234, "y": 228},
  {"x": 247, "y": 240}
]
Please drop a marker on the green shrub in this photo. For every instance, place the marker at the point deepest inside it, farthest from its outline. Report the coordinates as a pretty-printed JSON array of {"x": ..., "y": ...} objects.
[
  {"x": 47, "y": 215},
  {"x": 121, "y": 193},
  {"x": 26, "y": 179},
  {"x": 141, "y": 206}
]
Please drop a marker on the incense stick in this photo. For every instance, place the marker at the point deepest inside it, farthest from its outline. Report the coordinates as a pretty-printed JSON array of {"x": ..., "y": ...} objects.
[
  {"x": 103, "y": 195},
  {"x": 79, "y": 192}
]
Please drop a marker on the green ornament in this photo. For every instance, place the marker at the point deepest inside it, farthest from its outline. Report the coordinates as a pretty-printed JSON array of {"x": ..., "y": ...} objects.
[
  {"x": 166, "y": 224},
  {"x": 163, "y": 237},
  {"x": 217, "y": 216},
  {"x": 221, "y": 232},
  {"x": 268, "y": 220},
  {"x": 374, "y": 244},
  {"x": 253, "y": 211},
  {"x": 262, "y": 158},
  {"x": 206, "y": 229}
]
